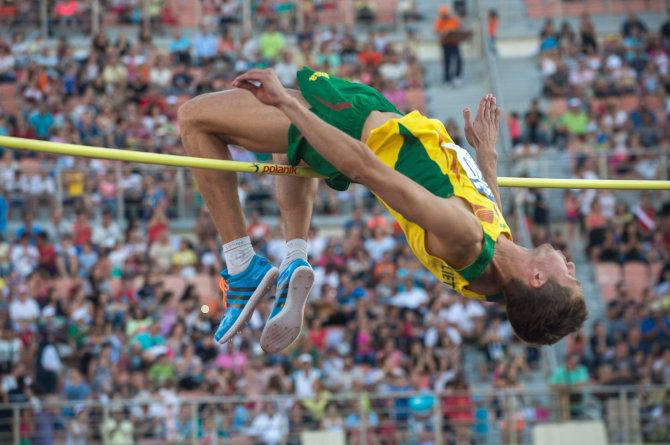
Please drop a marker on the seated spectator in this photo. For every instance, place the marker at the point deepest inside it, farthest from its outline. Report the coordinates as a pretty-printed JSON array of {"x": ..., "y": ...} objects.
[
  {"x": 656, "y": 327},
  {"x": 182, "y": 81},
  {"x": 24, "y": 257},
  {"x": 286, "y": 70},
  {"x": 7, "y": 64},
  {"x": 162, "y": 370},
  {"x": 558, "y": 83},
  {"x": 268, "y": 425},
  {"x": 620, "y": 369},
  {"x": 118, "y": 428}
]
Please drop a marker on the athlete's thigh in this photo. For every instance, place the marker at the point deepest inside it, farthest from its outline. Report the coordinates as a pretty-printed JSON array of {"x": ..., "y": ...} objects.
[{"x": 239, "y": 118}]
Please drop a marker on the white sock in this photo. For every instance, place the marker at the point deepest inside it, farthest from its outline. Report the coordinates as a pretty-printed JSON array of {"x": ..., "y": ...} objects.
[
  {"x": 238, "y": 255},
  {"x": 296, "y": 248}
]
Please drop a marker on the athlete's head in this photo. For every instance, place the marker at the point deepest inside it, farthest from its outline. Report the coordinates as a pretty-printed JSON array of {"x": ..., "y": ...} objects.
[{"x": 545, "y": 302}]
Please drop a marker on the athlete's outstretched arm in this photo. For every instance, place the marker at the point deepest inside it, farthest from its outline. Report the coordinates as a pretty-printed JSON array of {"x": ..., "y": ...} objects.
[
  {"x": 482, "y": 134},
  {"x": 353, "y": 158}
]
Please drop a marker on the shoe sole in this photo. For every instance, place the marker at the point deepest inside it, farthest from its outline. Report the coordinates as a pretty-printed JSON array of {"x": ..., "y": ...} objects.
[
  {"x": 285, "y": 327},
  {"x": 263, "y": 290}
]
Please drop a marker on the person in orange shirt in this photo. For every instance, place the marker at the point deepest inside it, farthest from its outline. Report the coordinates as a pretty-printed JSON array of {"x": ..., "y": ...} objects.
[
  {"x": 492, "y": 30},
  {"x": 444, "y": 26}
]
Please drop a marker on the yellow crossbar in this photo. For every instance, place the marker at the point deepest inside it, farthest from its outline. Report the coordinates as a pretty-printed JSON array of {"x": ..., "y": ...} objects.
[{"x": 115, "y": 154}]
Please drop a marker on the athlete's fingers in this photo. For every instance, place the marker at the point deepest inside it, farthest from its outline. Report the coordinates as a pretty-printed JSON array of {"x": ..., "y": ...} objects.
[
  {"x": 247, "y": 85},
  {"x": 254, "y": 74},
  {"x": 498, "y": 113},
  {"x": 492, "y": 107},
  {"x": 467, "y": 115},
  {"x": 480, "y": 107}
]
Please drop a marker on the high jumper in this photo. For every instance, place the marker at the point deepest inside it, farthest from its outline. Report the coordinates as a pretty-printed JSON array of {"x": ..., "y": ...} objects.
[{"x": 447, "y": 204}]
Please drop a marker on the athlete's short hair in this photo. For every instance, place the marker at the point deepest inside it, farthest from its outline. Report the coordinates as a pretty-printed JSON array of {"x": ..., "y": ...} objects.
[{"x": 543, "y": 315}]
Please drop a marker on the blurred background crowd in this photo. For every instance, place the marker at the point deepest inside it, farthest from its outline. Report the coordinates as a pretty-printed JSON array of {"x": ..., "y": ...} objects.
[{"x": 108, "y": 294}]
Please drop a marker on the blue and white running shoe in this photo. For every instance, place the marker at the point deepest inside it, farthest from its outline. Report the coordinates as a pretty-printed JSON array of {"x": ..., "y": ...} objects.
[
  {"x": 285, "y": 322},
  {"x": 242, "y": 293}
]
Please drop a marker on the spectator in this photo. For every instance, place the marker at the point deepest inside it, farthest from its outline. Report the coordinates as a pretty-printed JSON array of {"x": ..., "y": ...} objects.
[
  {"x": 204, "y": 46},
  {"x": 305, "y": 376},
  {"x": 567, "y": 379},
  {"x": 271, "y": 42},
  {"x": 286, "y": 70},
  {"x": 106, "y": 234},
  {"x": 118, "y": 428},
  {"x": 446, "y": 26},
  {"x": 24, "y": 256},
  {"x": 633, "y": 26}
]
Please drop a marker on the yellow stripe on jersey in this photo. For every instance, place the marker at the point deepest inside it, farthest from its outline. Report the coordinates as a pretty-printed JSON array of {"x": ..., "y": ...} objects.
[{"x": 421, "y": 149}]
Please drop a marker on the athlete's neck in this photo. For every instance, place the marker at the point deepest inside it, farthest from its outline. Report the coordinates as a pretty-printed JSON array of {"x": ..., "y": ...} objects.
[{"x": 509, "y": 259}]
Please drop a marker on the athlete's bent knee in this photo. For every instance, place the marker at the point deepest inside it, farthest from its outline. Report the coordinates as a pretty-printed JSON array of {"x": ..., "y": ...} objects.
[{"x": 187, "y": 115}]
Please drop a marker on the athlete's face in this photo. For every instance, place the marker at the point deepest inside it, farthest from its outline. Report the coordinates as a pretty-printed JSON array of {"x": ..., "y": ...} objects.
[{"x": 553, "y": 264}]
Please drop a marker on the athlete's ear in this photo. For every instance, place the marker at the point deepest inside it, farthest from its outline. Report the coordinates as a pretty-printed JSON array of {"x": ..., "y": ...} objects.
[{"x": 536, "y": 278}]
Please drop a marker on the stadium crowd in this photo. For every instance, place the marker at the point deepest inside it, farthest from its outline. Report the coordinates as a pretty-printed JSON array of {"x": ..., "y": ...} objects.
[
  {"x": 609, "y": 98},
  {"x": 97, "y": 308}
]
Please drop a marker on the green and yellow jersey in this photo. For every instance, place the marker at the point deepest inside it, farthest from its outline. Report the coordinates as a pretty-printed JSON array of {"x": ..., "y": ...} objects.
[{"x": 421, "y": 149}]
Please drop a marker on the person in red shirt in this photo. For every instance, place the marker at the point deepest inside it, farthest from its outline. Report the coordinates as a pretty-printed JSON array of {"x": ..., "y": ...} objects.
[
  {"x": 369, "y": 57},
  {"x": 81, "y": 230},
  {"x": 47, "y": 259}
]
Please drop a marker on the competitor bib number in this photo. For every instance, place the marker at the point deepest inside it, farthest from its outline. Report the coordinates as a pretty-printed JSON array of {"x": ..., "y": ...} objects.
[{"x": 470, "y": 167}]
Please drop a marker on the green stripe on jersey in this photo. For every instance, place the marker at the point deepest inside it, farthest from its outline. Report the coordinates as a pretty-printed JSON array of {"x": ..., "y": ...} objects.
[{"x": 413, "y": 161}]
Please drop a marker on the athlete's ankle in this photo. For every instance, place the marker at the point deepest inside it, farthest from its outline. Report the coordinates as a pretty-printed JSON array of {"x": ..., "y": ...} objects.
[
  {"x": 238, "y": 254},
  {"x": 295, "y": 249}
]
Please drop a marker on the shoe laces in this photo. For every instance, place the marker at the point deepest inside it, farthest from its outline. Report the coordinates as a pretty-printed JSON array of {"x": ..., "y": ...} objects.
[{"x": 223, "y": 285}]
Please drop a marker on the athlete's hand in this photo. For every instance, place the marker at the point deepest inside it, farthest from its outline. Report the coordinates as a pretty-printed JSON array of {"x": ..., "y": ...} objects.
[
  {"x": 482, "y": 134},
  {"x": 264, "y": 84}
]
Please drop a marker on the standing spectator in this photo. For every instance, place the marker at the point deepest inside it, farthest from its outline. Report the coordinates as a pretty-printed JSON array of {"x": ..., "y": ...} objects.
[
  {"x": 445, "y": 26},
  {"x": 569, "y": 377},
  {"x": 492, "y": 30}
]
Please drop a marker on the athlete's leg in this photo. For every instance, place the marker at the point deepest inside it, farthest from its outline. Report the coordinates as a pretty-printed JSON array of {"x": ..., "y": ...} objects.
[
  {"x": 296, "y": 198},
  {"x": 212, "y": 121},
  {"x": 208, "y": 124}
]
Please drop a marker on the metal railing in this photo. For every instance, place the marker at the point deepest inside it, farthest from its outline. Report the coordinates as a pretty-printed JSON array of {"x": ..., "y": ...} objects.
[{"x": 628, "y": 414}]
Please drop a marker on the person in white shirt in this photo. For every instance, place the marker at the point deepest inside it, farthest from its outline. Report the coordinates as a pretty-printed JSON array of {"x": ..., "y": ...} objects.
[
  {"x": 269, "y": 425},
  {"x": 58, "y": 226},
  {"x": 411, "y": 296},
  {"x": 24, "y": 308},
  {"x": 24, "y": 257},
  {"x": 107, "y": 233},
  {"x": 468, "y": 316},
  {"x": 286, "y": 70},
  {"x": 304, "y": 378}
]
